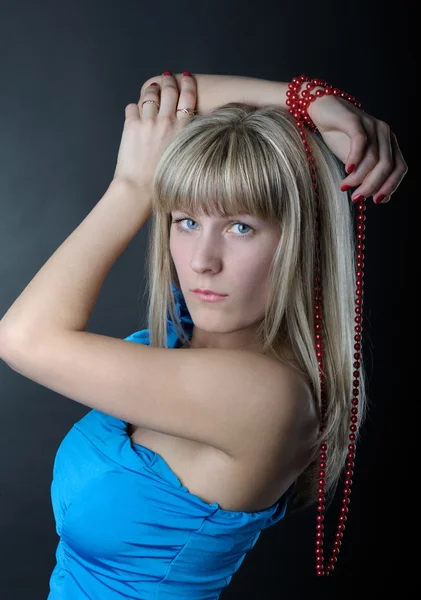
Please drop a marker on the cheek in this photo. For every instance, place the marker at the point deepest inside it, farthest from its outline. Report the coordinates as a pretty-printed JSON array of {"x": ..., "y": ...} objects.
[
  {"x": 179, "y": 255},
  {"x": 174, "y": 249},
  {"x": 252, "y": 278},
  {"x": 254, "y": 271}
]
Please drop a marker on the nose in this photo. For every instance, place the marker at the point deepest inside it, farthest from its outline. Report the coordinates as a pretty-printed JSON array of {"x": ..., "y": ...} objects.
[{"x": 206, "y": 255}]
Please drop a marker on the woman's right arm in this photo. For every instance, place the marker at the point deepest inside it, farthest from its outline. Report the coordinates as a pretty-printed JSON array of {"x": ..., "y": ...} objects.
[{"x": 216, "y": 90}]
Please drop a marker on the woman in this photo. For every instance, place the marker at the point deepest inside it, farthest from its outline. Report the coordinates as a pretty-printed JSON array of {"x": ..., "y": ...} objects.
[{"x": 162, "y": 488}]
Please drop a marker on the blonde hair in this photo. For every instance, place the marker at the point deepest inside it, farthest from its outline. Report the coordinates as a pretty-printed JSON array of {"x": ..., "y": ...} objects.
[{"x": 243, "y": 159}]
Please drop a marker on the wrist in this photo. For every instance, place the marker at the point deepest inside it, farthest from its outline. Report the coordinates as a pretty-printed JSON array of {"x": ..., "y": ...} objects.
[
  {"x": 304, "y": 91},
  {"x": 129, "y": 187}
]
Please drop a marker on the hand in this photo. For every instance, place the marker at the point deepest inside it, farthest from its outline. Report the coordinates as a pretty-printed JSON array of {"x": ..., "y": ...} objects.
[
  {"x": 358, "y": 139},
  {"x": 148, "y": 129}
]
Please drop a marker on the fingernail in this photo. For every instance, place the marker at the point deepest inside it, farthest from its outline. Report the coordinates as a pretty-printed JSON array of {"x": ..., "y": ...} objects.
[
  {"x": 167, "y": 73},
  {"x": 187, "y": 74},
  {"x": 345, "y": 187},
  {"x": 358, "y": 198},
  {"x": 379, "y": 198},
  {"x": 349, "y": 169}
]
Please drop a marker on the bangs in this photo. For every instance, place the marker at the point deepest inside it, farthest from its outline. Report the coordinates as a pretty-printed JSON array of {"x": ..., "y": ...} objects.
[{"x": 219, "y": 174}]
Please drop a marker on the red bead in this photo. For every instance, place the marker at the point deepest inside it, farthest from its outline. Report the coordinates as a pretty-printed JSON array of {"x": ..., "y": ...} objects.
[{"x": 299, "y": 100}]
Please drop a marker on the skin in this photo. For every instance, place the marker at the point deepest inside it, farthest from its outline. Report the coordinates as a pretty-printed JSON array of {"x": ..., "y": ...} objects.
[{"x": 214, "y": 253}]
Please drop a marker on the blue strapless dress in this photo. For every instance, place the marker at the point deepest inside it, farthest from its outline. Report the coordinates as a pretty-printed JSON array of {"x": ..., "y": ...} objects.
[{"x": 127, "y": 526}]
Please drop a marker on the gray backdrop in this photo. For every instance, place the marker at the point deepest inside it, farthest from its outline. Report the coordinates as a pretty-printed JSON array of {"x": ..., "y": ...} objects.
[{"x": 68, "y": 69}]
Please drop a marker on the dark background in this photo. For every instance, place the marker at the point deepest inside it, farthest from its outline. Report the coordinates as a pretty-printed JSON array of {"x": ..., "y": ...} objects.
[{"x": 68, "y": 69}]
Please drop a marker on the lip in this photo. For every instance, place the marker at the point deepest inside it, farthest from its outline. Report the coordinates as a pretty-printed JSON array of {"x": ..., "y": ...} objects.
[
  {"x": 208, "y": 292},
  {"x": 210, "y": 297}
]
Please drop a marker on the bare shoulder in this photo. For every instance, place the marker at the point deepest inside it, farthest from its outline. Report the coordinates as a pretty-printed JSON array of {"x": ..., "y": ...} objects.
[{"x": 287, "y": 412}]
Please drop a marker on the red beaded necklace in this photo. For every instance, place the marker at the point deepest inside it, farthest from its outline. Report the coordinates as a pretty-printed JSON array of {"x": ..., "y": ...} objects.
[{"x": 298, "y": 108}]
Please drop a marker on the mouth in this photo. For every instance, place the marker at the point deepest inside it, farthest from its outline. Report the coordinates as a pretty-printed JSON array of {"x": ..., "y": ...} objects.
[{"x": 209, "y": 296}]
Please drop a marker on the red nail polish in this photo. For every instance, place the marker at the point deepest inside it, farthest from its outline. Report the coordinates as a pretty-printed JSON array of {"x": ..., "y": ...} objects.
[
  {"x": 358, "y": 198},
  {"x": 350, "y": 169},
  {"x": 379, "y": 198},
  {"x": 187, "y": 74},
  {"x": 345, "y": 187},
  {"x": 167, "y": 73}
]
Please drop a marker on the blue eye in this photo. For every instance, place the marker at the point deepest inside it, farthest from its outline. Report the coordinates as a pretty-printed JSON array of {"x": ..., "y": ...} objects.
[
  {"x": 244, "y": 225},
  {"x": 183, "y": 230}
]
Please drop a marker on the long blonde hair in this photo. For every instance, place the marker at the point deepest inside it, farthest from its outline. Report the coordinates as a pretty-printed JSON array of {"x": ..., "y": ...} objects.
[{"x": 243, "y": 159}]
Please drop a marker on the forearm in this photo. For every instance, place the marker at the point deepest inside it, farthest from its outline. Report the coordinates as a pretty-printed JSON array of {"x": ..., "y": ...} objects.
[{"x": 216, "y": 90}]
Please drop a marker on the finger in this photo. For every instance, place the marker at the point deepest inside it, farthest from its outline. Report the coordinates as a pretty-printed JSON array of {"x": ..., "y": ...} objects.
[
  {"x": 169, "y": 96},
  {"x": 391, "y": 184},
  {"x": 150, "y": 109},
  {"x": 384, "y": 167},
  {"x": 358, "y": 146},
  {"x": 132, "y": 112},
  {"x": 368, "y": 162},
  {"x": 353, "y": 125},
  {"x": 188, "y": 95}
]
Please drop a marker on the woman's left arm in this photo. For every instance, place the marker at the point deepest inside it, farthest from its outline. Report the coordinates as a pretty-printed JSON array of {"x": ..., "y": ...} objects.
[{"x": 365, "y": 145}]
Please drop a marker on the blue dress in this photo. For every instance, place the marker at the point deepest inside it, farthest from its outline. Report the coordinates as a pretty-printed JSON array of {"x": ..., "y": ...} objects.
[{"x": 128, "y": 528}]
